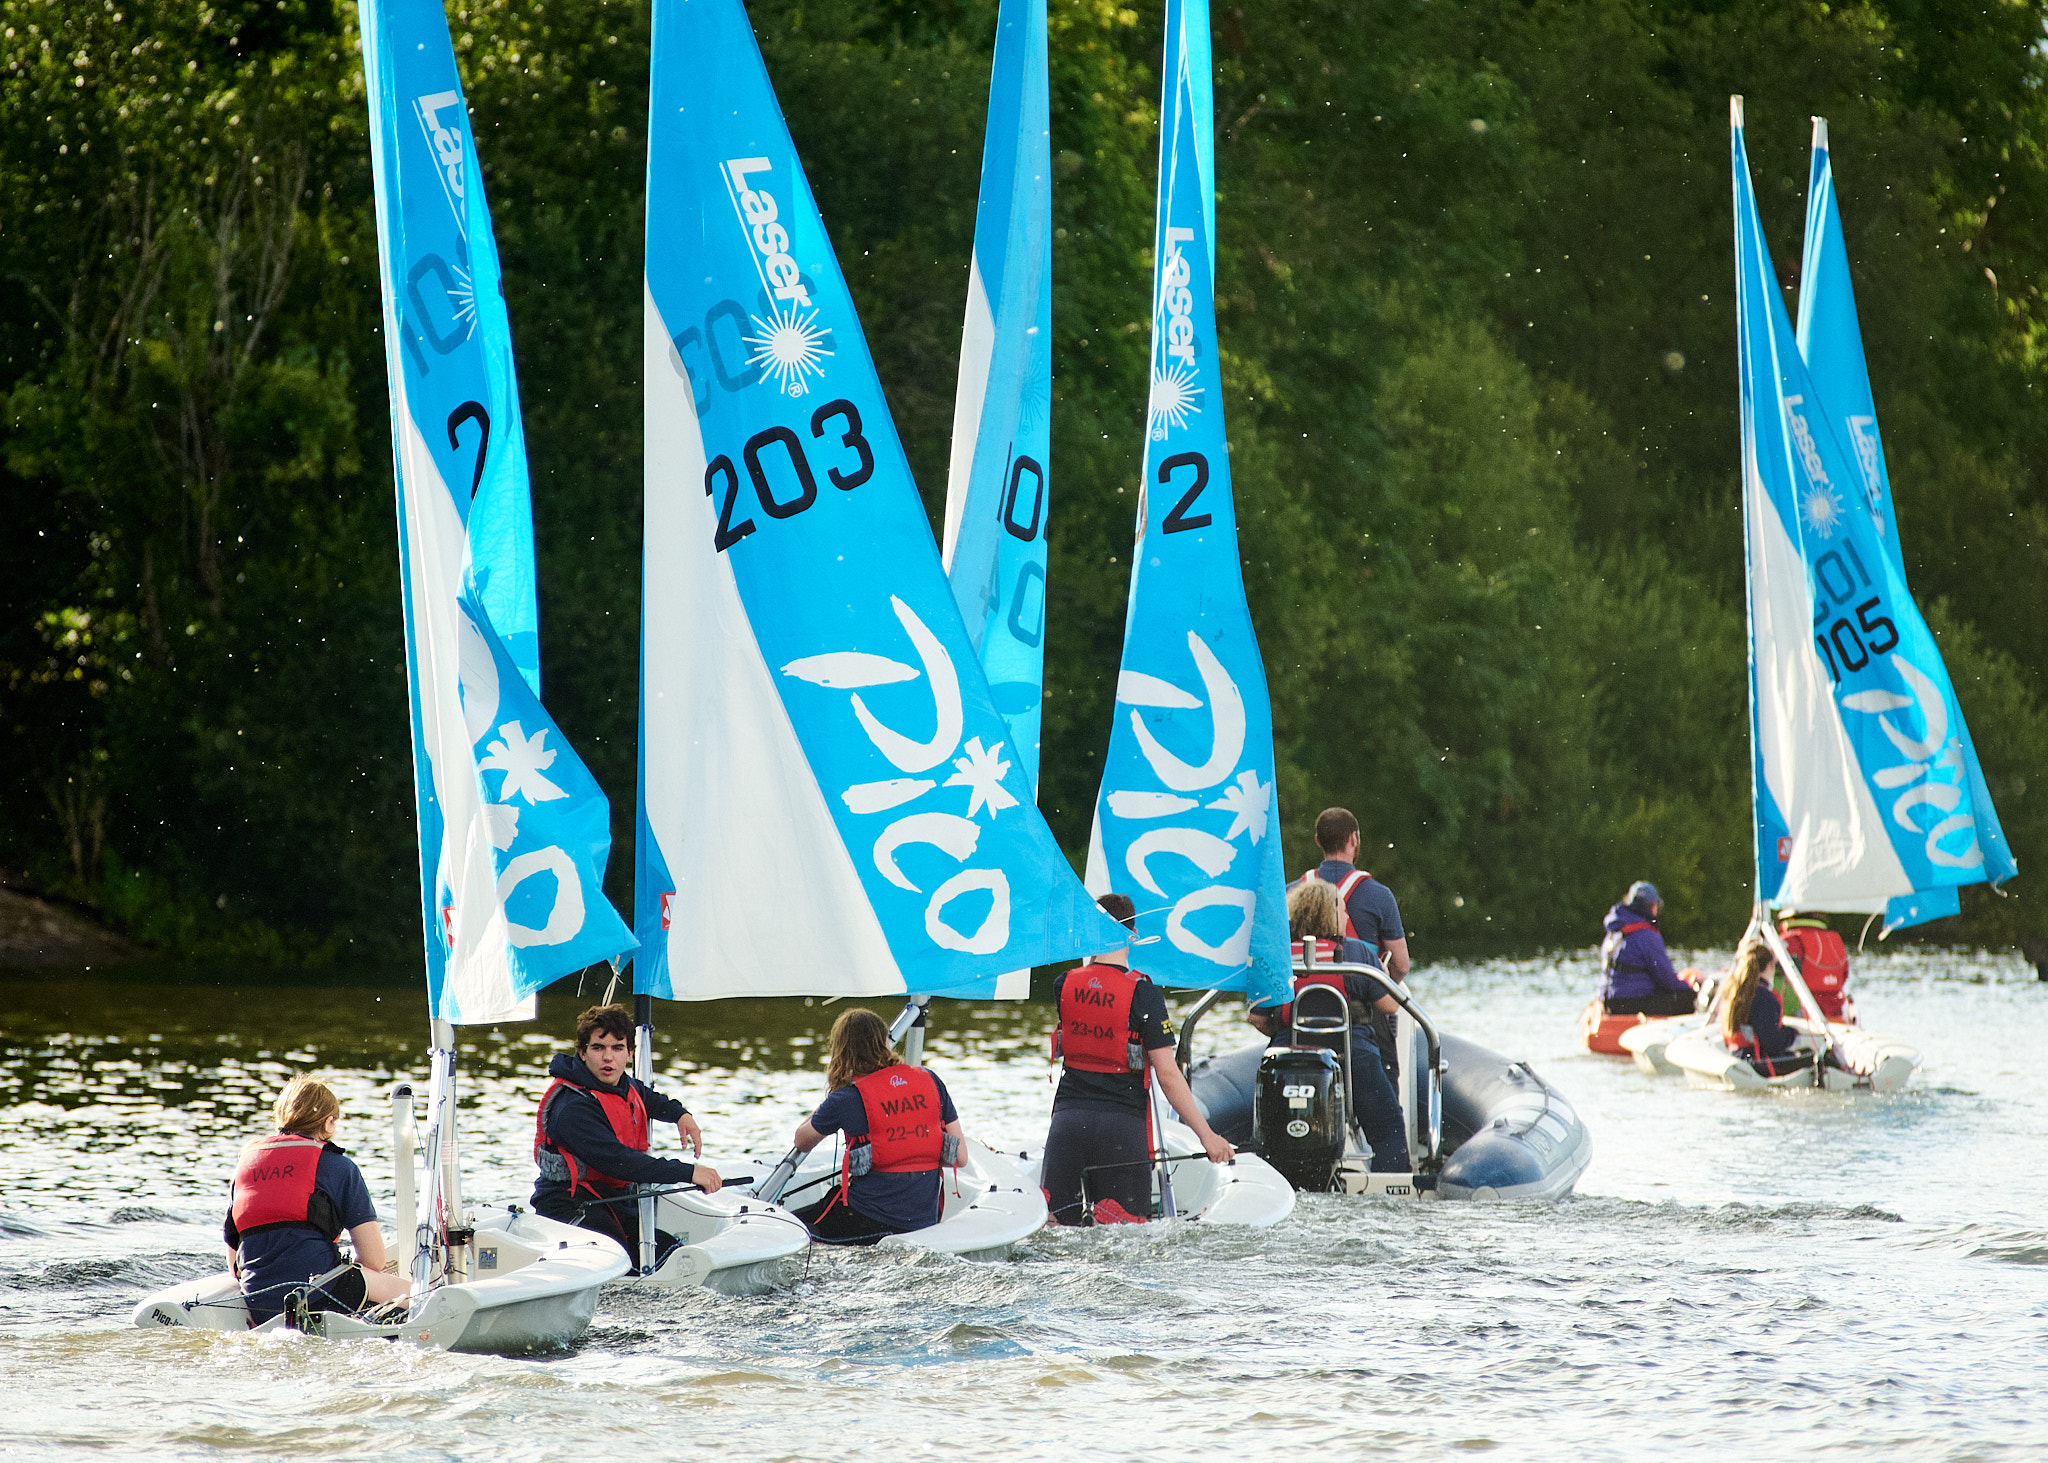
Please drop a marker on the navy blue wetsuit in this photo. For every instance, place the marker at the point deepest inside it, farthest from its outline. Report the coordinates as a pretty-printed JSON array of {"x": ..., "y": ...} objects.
[
  {"x": 1100, "y": 1130},
  {"x": 275, "y": 1261},
  {"x": 882, "y": 1203}
]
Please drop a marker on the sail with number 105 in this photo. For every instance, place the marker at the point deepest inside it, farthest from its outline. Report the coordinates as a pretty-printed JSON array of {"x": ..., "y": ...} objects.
[{"x": 1864, "y": 788}]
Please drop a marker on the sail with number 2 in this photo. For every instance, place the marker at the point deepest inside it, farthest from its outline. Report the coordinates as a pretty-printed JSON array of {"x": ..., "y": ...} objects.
[
  {"x": 514, "y": 832},
  {"x": 1186, "y": 822},
  {"x": 830, "y": 802},
  {"x": 1865, "y": 788}
]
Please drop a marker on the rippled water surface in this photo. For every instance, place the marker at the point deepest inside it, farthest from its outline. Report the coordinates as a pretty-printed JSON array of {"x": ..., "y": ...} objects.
[{"x": 1748, "y": 1276}]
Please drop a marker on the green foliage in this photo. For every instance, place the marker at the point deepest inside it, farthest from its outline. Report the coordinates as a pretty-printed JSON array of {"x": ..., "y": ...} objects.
[{"x": 1478, "y": 350}]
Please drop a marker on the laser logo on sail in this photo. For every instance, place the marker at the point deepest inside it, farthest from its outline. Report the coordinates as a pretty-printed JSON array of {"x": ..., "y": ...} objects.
[
  {"x": 1174, "y": 390},
  {"x": 445, "y": 138},
  {"x": 789, "y": 345}
]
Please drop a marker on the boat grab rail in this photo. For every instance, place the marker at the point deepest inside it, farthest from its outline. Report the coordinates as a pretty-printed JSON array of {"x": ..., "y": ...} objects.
[{"x": 1433, "y": 1156}]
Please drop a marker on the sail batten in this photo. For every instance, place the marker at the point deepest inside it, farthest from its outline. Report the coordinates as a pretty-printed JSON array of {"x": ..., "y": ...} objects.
[
  {"x": 513, "y": 830},
  {"x": 830, "y": 802}
]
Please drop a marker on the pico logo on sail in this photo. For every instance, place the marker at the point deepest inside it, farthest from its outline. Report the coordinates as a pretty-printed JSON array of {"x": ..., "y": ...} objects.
[
  {"x": 821, "y": 757},
  {"x": 1185, "y": 821},
  {"x": 514, "y": 832}
]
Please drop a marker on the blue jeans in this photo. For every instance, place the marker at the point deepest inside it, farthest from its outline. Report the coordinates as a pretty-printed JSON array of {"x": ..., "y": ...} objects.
[{"x": 1377, "y": 1108}]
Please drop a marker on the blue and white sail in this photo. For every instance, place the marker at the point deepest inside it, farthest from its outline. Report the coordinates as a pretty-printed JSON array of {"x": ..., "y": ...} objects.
[
  {"x": 1831, "y": 343},
  {"x": 998, "y": 492},
  {"x": 513, "y": 831},
  {"x": 830, "y": 802},
  {"x": 1186, "y": 822},
  {"x": 1862, "y": 790}
]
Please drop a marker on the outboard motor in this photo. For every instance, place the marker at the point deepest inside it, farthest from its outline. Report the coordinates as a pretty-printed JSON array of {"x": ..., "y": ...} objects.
[{"x": 1298, "y": 1115}]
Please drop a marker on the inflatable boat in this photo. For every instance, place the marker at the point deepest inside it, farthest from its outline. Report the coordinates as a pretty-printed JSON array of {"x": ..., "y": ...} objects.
[
  {"x": 990, "y": 1203},
  {"x": 531, "y": 1284},
  {"x": 1480, "y": 1126}
]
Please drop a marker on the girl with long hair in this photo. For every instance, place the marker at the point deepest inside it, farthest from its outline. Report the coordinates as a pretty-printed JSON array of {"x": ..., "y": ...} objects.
[{"x": 900, "y": 1131}]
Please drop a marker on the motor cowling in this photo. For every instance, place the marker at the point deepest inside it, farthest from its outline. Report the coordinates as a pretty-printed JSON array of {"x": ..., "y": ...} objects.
[{"x": 1298, "y": 1115}]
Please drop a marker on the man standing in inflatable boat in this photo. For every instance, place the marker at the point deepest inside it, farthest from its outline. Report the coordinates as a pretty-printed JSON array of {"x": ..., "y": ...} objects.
[
  {"x": 591, "y": 1133},
  {"x": 1370, "y": 913},
  {"x": 1113, "y": 1040}
]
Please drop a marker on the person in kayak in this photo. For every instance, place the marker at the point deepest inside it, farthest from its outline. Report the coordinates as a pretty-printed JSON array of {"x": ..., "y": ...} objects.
[
  {"x": 591, "y": 1133},
  {"x": 294, "y": 1193},
  {"x": 901, "y": 1131},
  {"x": 1370, "y": 911},
  {"x": 1113, "y": 1041},
  {"x": 1313, "y": 914},
  {"x": 1637, "y": 977},
  {"x": 1752, "y": 1016}
]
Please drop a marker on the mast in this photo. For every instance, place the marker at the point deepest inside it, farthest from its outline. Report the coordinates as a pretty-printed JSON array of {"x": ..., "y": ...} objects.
[{"x": 643, "y": 1068}]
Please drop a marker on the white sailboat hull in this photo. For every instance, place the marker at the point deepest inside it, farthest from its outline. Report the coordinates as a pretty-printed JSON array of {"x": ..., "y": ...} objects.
[
  {"x": 990, "y": 1203},
  {"x": 1648, "y": 1042},
  {"x": 733, "y": 1243},
  {"x": 536, "y": 1289},
  {"x": 1874, "y": 1063},
  {"x": 1247, "y": 1190}
]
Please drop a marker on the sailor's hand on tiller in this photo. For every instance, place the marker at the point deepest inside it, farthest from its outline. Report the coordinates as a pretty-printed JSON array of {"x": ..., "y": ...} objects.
[
  {"x": 690, "y": 1133},
  {"x": 1217, "y": 1147},
  {"x": 707, "y": 1179}
]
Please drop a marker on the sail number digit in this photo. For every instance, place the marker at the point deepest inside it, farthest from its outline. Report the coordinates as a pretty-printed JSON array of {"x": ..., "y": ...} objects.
[
  {"x": 1837, "y": 582},
  {"x": 729, "y": 532},
  {"x": 1178, "y": 521}
]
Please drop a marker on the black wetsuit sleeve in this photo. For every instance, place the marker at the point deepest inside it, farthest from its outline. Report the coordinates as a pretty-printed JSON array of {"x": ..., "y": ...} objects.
[
  {"x": 577, "y": 1126},
  {"x": 1148, "y": 1014}
]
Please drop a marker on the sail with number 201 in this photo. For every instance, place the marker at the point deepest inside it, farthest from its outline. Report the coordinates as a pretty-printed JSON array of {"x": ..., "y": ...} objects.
[
  {"x": 829, "y": 801},
  {"x": 513, "y": 830},
  {"x": 1831, "y": 342},
  {"x": 1185, "y": 822},
  {"x": 1864, "y": 788}
]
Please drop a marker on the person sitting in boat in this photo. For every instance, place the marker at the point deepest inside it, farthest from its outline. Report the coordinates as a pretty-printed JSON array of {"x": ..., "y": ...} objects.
[
  {"x": 1752, "y": 1016},
  {"x": 1823, "y": 961},
  {"x": 294, "y": 1193},
  {"x": 1313, "y": 914},
  {"x": 1370, "y": 911},
  {"x": 901, "y": 1131},
  {"x": 590, "y": 1135},
  {"x": 1113, "y": 1041},
  {"x": 1637, "y": 977}
]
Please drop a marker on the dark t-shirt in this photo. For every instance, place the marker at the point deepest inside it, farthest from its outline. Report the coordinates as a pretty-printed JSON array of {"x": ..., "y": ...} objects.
[
  {"x": 1117, "y": 1091},
  {"x": 275, "y": 1260},
  {"x": 902, "y": 1201},
  {"x": 1374, "y": 915}
]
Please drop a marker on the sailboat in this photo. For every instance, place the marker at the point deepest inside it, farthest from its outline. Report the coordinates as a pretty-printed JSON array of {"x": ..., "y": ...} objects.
[
  {"x": 1866, "y": 790},
  {"x": 831, "y": 804},
  {"x": 513, "y": 830}
]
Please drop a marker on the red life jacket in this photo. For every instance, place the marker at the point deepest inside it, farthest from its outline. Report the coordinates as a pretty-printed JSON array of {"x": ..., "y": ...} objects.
[
  {"x": 1350, "y": 881},
  {"x": 1095, "y": 1033},
  {"x": 906, "y": 1126},
  {"x": 274, "y": 1183},
  {"x": 1823, "y": 962},
  {"x": 1328, "y": 952},
  {"x": 626, "y": 1113}
]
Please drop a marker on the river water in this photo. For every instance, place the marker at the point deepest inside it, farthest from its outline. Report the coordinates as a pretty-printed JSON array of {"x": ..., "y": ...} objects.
[{"x": 1778, "y": 1275}]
